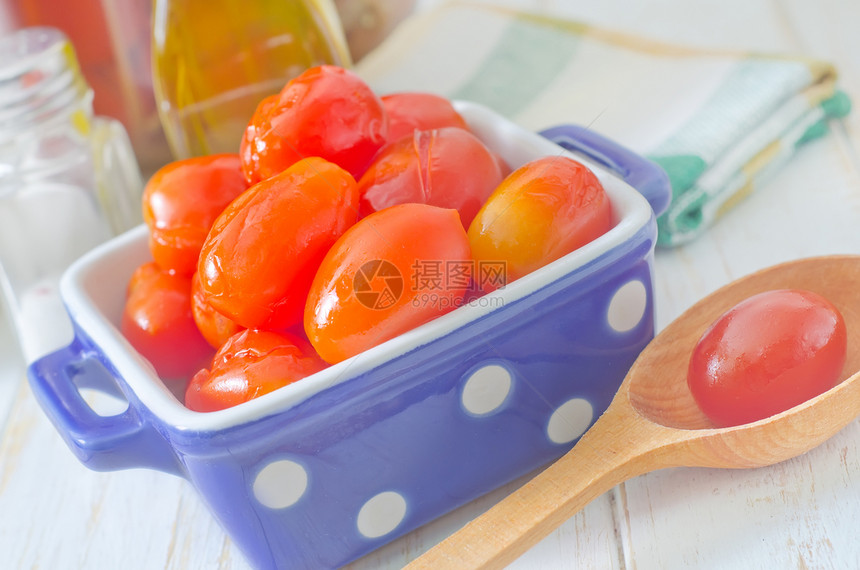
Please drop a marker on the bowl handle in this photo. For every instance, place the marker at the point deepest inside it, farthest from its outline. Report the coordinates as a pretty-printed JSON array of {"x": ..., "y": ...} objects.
[
  {"x": 102, "y": 443},
  {"x": 642, "y": 174}
]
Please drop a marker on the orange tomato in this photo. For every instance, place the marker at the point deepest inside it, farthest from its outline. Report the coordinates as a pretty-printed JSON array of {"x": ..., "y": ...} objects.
[
  {"x": 258, "y": 262},
  {"x": 542, "y": 211},
  {"x": 369, "y": 288},
  {"x": 448, "y": 167},
  {"x": 410, "y": 112},
  {"x": 250, "y": 364},
  {"x": 157, "y": 321},
  {"x": 215, "y": 327},
  {"x": 328, "y": 112},
  {"x": 181, "y": 201}
]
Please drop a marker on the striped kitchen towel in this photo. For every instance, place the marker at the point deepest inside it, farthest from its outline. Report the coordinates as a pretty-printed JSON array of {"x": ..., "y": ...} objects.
[{"x": 717, "y": 122}]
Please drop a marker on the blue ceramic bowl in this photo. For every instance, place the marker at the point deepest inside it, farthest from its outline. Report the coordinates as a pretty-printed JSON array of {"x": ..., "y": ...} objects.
[{"x": 325, "y": 470}]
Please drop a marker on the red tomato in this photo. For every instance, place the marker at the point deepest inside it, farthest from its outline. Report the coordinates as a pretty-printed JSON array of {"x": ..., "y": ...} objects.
[
  {"x": 769, "y": 353},
  {"x": 368, "y": 288},
  {"x": 157, "y": 322},
  {"x": 215, "y": 327},
  {"x": 409, "y": 112},
  {"x": 250, "y": 364},
  {"x": 541, "y": 212},
  {"x": 261, "y": 255},
  {"x": 449, "y": 168},
  {"x": 327, "y": 112},
  {"x": 181, "y": 201}
]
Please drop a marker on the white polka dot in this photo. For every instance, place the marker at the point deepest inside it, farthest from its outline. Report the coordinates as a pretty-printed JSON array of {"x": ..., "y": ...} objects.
[
  {"x": 486, "y": 389},
  {"x": 280, "y": 484},
  {"x": 570, "y": 421},
  {"x": 381, "y": 514},
  {"x": 627, "y": 306}
]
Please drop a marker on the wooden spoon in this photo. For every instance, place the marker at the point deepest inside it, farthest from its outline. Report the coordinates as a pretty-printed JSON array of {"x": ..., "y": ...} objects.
[{"x": 653, "y": 423}]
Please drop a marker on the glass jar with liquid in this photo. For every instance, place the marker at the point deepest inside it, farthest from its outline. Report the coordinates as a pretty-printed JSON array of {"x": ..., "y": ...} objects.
[
  {"x": 112, "y": 45},
  {"x": 213, "y": 62},
  {"x": 69, "y": 179}
]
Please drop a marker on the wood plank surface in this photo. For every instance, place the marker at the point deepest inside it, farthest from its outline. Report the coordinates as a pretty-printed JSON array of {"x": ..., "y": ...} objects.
[{"x": 56, "y": 514}]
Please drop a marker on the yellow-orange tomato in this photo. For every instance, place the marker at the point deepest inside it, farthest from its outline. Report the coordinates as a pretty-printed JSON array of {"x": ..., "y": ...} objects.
[
  {"x": 261, "y": 255},
  {"x": 250, "y": 364},
  {"x": 541, "y": 212},
  {"x": 215, "y": 327},
  {"x": 181, "y": 201},
  {"x": 370, "y": 286}
]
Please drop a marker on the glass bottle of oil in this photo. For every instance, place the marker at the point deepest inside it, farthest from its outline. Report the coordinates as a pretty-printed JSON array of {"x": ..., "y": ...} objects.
[{"x": 215, "y": 60}]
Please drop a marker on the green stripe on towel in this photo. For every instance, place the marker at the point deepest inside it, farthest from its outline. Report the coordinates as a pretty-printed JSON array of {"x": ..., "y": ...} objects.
[
  {"x": 837, "y": 106},
  {"x": 525, "y": 60},
  {"x": 748, "y": 95}
]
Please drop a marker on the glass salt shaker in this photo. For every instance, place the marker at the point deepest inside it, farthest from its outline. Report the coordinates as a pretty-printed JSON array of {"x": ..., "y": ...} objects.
[{"x": 69, "y": 180}]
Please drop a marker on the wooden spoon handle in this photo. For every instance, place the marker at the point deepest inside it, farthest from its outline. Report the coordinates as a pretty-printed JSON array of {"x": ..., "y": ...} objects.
[{"x": 613, "y": 450}]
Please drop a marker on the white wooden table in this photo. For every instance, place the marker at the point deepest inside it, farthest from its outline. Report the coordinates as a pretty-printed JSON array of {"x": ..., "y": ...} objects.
[{"x": 56, "y": 514}]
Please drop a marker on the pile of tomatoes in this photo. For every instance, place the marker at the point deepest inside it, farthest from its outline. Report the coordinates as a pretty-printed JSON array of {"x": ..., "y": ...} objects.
[{"x": 267, "y": 264}]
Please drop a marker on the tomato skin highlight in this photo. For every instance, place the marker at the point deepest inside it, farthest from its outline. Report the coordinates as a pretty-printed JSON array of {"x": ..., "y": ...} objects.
[
  {"x": 215, "y": 327},
  {"x": 448, "y": 168},
  {"x": 180, "y": 202},
  {"x": 261, "y": 255},
  {"x": 328, "y": 112},
  {"x": 411, "y": 111},
  {"x": 259, "y": 149},
  {"x": 251, "y": 363},
  {"x": 542, "y": 211},
  {"x": 767, "y": 354},
  {"x": 339, "y": 323},
  {"x": 157, "y": 321}
]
